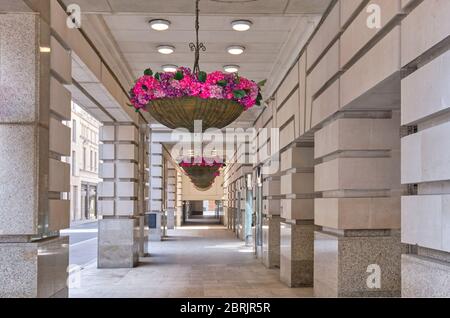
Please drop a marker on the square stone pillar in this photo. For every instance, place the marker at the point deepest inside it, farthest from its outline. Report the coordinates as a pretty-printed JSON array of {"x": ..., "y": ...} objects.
[
  {"x": 240, "y": 209},
  {"x": 297, "y": 187},
  {"x": 270, "y": 251},
  {"x": 347, "y": 263},
  {"x": 171, "y": 183},
  {"x": 271, "y": 241},
  {"x": 118, "y": 242},
  {"x": 119, "y": 230},
  {"x": 297, "y": 250},
  {"x": 34, "y": 144},
  {"x": 357, "y": 252},
  {"x": 155, "y": 211},
  {"x": 231, "y": 207},
  {"x": 425, "y": 161},
  {"x": 144, "y": 176},
  {"x": 179, "y": 200}
]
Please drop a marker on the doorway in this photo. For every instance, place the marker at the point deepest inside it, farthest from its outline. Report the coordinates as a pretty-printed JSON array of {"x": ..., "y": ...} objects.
[
  {"x": 89, "y": 201},
  {"x": 201, "y": 212}
]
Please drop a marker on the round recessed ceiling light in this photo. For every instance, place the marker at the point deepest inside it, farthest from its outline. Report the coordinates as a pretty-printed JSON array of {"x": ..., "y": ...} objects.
[
  {"x": 159, "y": 24},
  {"x": 241, "y": 25},
  {"x": 169, "y": 68},
  {"x": 231, "y": 68},
  {"x": 166, "y": 49},
  {"x": 236, "y": 49}
]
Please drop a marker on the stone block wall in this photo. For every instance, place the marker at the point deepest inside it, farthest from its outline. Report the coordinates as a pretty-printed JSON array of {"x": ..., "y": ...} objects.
[
  {"x": 297, "y": 213},
  {"x": 35, "y": 143},
  {"x": 118, "y": 195},
  {"x": 425, "y": 111}
]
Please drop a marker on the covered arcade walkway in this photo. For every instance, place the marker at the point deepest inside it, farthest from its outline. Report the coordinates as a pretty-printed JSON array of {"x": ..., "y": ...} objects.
[{"x": 194, "y": 261}]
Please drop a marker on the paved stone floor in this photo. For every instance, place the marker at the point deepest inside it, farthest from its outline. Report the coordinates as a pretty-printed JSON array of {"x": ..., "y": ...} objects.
[{"x": 194, "y": 262}]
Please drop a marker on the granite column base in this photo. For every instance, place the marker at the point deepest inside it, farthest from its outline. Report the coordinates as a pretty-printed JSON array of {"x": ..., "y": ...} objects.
[
  {"x": 271, "y": 242},
  {"x": 118, "y": 243},
  {"x": 363, "y": 263},
  {"x": 296, "y": 253},
  {"x": 35, "y": 269}
]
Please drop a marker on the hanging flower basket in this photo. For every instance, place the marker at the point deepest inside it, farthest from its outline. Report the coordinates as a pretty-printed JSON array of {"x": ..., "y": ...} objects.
[
  {"x": 184, "y": 111},
  {"x": 202, "y": 172},
  {"x": 203, "y": 183},
  {"x": 178, "y": 99}
]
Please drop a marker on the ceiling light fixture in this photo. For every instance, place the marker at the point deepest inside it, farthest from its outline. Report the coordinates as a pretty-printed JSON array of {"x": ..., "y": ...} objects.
[
  {"x": 241, "y": 25},
  {"x": 231, "y": 68},
  {"x": 166, "y": 49},
  {"x": 159, "y": 24},
  {"x": 236, "y": 49},
  {"x": 170, "y": 68},
  {"x": 45, "y": 49}
]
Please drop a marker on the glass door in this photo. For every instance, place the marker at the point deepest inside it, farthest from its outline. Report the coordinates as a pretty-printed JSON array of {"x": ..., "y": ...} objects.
[{"x": 258, "y": 241}]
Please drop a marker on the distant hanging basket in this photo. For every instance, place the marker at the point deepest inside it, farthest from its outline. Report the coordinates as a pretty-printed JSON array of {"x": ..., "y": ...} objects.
[
  {"x": 202, "y": 177},
  {"x": 184, "y": 111},
  {"x": 202, "y": 173}
]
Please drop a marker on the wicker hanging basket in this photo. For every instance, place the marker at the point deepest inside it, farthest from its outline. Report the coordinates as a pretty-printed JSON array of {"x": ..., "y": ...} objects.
[
  {"x": 183, "y": 111},
  {"x": 202, "y": 177}
]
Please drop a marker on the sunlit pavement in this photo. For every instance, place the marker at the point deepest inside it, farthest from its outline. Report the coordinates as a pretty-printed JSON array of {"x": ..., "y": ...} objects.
[
  {"x": 83, "y": 244},
  {"x": 195, "y": 261}
]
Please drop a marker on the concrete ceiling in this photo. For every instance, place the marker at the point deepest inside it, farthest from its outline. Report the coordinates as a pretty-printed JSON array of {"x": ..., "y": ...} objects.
[
  {"x": 219, "y": 7},
  {"x": 263, "y": 42},
  {"x": 278, "y": 25}
]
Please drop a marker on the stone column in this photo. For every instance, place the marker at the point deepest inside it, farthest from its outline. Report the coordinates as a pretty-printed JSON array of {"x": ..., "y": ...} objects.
[
  {"x": 156, "y": 191},
  {"x": 34, "y": 141},
  {"x": 297, "y": 212},
  {"x": 226, "y": 215},
  {"x": 426, "y": 152},
  {"x": 118, "y": 231},
  {"x": 271, "y": 222},
  {"x": 232, "y": 207},
  {"x": 144, "y": 163},
  {"x": 240, "y": 208},
  {"x": 228, "y": 208},
  {"x": 171, "y": 180},
  {"x": 179, "y": 200},
  {"x": 357, "y": 251}
]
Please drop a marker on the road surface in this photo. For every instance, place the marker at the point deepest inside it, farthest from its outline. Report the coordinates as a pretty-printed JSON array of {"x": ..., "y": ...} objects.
[{"x": 83, "y": 244}]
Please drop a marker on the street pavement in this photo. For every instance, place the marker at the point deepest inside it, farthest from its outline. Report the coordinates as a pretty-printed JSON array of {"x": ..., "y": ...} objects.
[{"x": 83, "y": 243}]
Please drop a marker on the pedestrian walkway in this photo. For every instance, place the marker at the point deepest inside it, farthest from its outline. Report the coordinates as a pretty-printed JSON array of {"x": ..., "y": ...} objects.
[{"x": 194, "y": 262}]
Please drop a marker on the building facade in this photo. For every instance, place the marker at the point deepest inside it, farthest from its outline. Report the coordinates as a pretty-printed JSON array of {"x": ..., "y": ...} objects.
[{"x": 84, "y": 165}]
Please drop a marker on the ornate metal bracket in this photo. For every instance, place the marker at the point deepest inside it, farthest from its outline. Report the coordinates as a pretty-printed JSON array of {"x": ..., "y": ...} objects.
[{"x": 196, "y": 47}]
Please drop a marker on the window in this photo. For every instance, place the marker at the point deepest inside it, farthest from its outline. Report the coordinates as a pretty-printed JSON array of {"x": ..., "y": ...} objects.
[
  {"x": 91, "y": 161},
  {"x": 84, "y": 158},
  {"x": 74, "y": 163},
  {"x": 74, "y": 130},
  {"x": 95, "y": 162}
]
